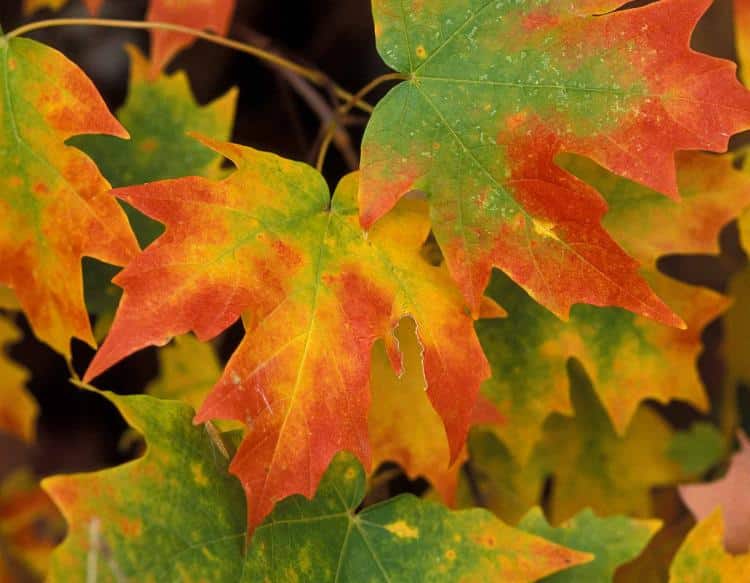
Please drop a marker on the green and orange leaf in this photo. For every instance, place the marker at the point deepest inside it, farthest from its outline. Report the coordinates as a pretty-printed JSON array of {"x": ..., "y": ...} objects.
[
  {"x": 55, "y": 204},
  {"x": 159, "y": 113},
  {"x": 628, "y": 357},
  {"x": 613, "y": 540},
  {"x": 214, "y": 15},
  {"x": 316, "y": 293},
  {"x": 119, "y": 518},
  {"x": 496, "y": 90}
]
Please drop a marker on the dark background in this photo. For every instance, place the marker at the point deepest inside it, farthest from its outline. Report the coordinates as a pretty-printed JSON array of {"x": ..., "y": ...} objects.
[{"x": 78, "y": 431}]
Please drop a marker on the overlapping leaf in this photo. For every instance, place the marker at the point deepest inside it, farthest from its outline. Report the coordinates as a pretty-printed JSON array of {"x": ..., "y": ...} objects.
[
  {"x": 18, "y": 409},
  {"x": 594, "y": 467},
  {"x": 404, "y": 427},
  {"x": 702, "y": 557},
  {"x": 628, "y": 357},
  {"x": 177, "y": 514},
  {"x": 55, "y": 204},
  {"x": 403, "y": 539},
  {"x": 496, "y": 90},
  {"x": 316, "y": 292},
  {"x": 613, "y": 541},
  {"x": 159, "y": 112},
  {"x": 215, "y": 15}
]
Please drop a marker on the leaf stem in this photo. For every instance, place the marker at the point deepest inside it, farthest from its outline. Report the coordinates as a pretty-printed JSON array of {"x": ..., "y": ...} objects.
[
  {"x": 347, "y": 107},
  {"x": 317, "y": 77}
]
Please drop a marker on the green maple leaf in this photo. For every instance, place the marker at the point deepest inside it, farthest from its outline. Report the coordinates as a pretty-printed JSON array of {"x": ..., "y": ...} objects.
[
  {"x": 495, "y": 90},
  {"x": 176, "y": 513},
  {"x": 613, "y": 540}
]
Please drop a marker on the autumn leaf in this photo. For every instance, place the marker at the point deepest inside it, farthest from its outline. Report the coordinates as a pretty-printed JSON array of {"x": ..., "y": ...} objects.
[
  {"x": 175, "y": 513},
  {"x": 31, "y": 6},
  {"x": 613, "y": 540},
  {"x": 628, "y": 357},
  {"x": 55, "y": 203},
  {"x": 402, "y": 539},
  {"x": 159, "y": 112},
  {"x": 592, "y": 466},
  {"x": 317, "y": 293},
  {"x": 214, "y": 15},
  {"x": 119, "y": 516},
  {"x": 702, "y": 558},
  {"x": 403, "y": 426},
  {"x": 728, "y": 493},
  {"x": 30, "y": 527},
  {"x": 18, "y": 409},
  {"x": 495, "y": 91}
]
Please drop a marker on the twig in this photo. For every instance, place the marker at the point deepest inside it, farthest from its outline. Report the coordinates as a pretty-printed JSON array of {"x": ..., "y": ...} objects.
[
  {"x": 348, "y": 106},
  {"x": 313, "y": 75},
  {"x": 306, "y": 91}
]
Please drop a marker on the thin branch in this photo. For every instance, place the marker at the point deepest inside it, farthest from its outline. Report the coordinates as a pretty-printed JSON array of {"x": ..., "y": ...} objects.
[
  {"x": 345, "y": 108},
  {"x": 312, "y": 75},
  {"x": 307, "y": 92}
]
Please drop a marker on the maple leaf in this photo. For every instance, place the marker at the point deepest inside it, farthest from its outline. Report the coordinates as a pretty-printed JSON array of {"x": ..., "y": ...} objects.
[
  {"x": 613, "y": 540},
  {"x": 158, "y": 113},
  {"x": 214, "y": 15},
  {"x": 402, "y": 539},
  {"x": 593, "y": 466},
  {"x": 496, "y": 90},
  {"x": 403, "y": 425},
  {"x": 18, "y": 409},
  {"x": 30, "y": 527},
  {"x": 629, "y": 358},
  {"x": 120, "y": 516},
  {"x": 317, "y": 293},
  {"x": 730, "y": 494},
  {"x": 31, "y": 6},
  {"x": 701, "y": 557},
  {"x": 55, "y": 203}
]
